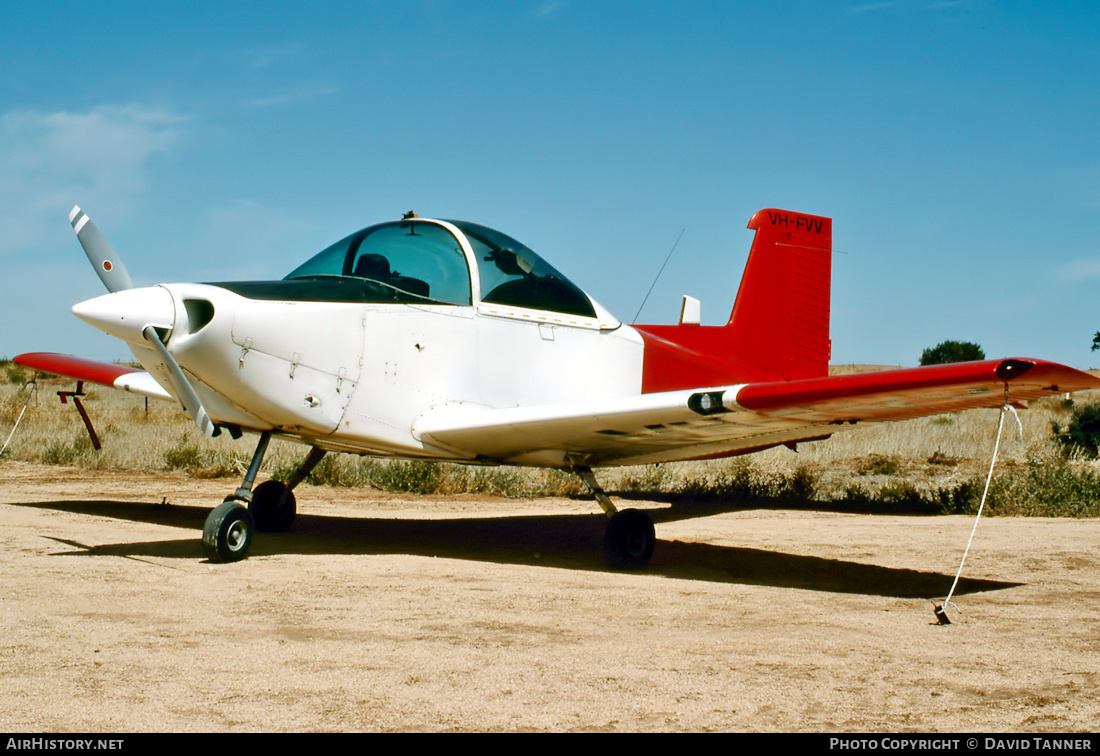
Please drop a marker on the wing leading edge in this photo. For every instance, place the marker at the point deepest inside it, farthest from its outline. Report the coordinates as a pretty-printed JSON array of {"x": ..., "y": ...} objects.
[{"x": 730, "y": 420}]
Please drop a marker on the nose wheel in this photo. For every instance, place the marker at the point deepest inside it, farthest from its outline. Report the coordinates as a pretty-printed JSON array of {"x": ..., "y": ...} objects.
[{"x": 227, "y": 534}]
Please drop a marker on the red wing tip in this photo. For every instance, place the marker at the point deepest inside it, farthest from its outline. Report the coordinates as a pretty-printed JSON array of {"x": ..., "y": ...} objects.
[
  {"x": 1059, "y": 377},
  {"x": 1050, "y": 377}
]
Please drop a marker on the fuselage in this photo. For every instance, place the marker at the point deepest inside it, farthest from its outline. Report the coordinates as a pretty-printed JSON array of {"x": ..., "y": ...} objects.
[{"x": 351, "y": 348}]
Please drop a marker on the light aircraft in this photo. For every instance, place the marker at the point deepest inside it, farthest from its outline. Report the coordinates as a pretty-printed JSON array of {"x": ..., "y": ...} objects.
[{"x": 446, "y": 340}]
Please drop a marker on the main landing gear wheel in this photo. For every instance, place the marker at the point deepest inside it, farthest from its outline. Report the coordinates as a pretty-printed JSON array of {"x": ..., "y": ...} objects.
[
  {"x": 273, "y": 507},
  {"x": 629, "y": 539},
  {"x": 227, "y": 534}
]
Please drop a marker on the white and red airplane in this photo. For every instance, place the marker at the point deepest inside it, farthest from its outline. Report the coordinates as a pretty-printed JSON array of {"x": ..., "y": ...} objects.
[{"x": 446, "y": 340}]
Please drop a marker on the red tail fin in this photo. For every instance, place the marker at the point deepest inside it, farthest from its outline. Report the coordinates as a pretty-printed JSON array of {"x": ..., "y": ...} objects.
[
  {"x": 780, "y": 321},
  {"x": 779, "y": 327}
]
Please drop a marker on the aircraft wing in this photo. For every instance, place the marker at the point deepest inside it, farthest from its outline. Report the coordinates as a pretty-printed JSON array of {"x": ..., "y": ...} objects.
[
  {"x": 104, "y": 373},
  {"x": 728, "y": 420}
]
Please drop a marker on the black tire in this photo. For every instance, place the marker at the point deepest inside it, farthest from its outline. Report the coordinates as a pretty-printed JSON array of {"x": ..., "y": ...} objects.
[
  {"x": 273, "y": 507},
  {"x": 629, "y": 539},
  {"x": 227, "y": 534}
]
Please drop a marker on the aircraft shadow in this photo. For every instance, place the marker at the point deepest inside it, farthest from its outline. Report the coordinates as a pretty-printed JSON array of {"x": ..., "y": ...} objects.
[
  {"x": 688, "y": 506},
  {"x": 561, "y": 541}
]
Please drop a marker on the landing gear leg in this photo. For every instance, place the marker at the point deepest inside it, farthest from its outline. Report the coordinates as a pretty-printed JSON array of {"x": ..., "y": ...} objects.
[
  {"x": 273, "y": 506},
  {"x": 315, "y": 455},
  {"x": 227, "y": 535},
  {"x": 629, "y": 538}
]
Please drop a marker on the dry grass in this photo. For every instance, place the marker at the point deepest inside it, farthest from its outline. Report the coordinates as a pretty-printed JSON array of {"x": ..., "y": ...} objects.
[
  {"x": 155, "y": 435},
  {"x": 929, "y": 464}
]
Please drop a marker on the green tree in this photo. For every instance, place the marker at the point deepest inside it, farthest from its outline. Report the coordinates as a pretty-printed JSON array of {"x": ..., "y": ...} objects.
[
  {"x": 1096, "y": 341},
  {"x": 951, "y": 351},
  {"x": 1083, "y": 431}
]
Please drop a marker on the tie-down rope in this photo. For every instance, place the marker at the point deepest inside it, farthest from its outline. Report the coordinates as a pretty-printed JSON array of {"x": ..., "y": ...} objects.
[
  {"x": 30, "y": 395},
  {"x": 941, "y": 609}
]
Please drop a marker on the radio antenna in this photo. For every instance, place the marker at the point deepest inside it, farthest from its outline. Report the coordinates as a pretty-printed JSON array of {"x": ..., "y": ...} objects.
[{"x": 662, "y": 270}]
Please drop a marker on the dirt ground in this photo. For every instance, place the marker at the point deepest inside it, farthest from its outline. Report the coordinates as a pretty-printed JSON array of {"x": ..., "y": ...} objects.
[{"x": 385, "y": 613}]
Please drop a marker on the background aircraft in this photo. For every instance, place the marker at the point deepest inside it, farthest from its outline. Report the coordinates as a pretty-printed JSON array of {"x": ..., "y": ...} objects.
[{"x": 447, "y": 340}]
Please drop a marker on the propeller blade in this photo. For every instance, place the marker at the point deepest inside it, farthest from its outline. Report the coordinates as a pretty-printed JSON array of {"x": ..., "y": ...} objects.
[
  {"x": 184, "y": 392},
  {"x": 102, "y": 256}
]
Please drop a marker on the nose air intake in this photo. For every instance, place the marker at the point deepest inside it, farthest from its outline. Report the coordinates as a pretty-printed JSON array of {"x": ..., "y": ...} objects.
[{"x": 199, "y": 313}]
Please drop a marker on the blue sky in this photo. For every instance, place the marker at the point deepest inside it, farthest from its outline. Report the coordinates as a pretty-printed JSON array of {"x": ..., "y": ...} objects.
[{"x": 954, "y": 144}]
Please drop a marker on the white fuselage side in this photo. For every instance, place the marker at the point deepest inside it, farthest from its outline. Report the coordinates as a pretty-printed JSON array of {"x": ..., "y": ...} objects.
[{"x": 355, "y": 377}]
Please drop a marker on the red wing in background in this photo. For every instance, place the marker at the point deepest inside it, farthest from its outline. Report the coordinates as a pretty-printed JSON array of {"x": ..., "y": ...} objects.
[{"x": 104, "y": 373}]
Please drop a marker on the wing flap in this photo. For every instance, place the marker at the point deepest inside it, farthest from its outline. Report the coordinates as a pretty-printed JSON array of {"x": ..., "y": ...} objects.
[{"x": 104, "y": 373}]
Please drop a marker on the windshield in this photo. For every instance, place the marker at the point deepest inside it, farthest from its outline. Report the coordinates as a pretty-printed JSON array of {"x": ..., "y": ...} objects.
[
  {"x": 513, "y": 275},
  {"x": 418, "y": 261},
  {"x": 405, "y": 261}
]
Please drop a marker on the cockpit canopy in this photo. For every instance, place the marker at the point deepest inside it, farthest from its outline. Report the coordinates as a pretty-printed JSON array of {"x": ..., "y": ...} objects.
[{"x": 429, "y": 262}]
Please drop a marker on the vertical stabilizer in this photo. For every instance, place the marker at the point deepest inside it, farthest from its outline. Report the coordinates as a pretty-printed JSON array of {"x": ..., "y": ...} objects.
[{"x": 780, "y": 320}]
